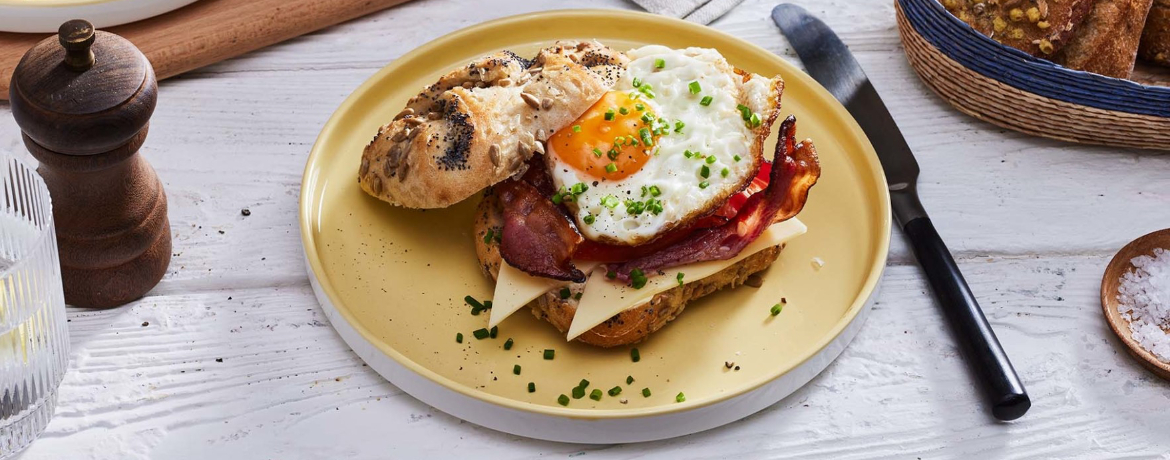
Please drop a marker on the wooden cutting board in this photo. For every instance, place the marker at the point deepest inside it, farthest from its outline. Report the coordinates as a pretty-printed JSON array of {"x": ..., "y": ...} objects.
[{"x": 209, "y": 31}]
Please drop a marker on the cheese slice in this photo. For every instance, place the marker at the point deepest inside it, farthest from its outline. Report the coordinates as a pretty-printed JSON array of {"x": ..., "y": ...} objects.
[
  {"x": 603, "y": 299},
  {"x": 514, "y": 289}
]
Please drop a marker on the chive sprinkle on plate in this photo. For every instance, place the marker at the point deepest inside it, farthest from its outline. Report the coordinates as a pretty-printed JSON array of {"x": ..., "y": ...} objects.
[{"x": 548, "y": 354}]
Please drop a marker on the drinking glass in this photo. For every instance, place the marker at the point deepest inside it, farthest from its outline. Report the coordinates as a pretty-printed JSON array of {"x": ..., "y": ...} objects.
[{"x": 34, "y": 340}]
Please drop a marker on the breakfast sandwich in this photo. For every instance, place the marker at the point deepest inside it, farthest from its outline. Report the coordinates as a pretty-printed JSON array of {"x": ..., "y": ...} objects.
[{"x": 619, "y": 186}]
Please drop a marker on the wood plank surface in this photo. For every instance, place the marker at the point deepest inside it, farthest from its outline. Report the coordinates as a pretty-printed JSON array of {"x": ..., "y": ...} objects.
[{"x": 1032, "y": 222}]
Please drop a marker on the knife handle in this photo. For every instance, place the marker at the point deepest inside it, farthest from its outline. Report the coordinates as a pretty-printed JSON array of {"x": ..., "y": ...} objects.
[{"x": 1001, "y": 386}]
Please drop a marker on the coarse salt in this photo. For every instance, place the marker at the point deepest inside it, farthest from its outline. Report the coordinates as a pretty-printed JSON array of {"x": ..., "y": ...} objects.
[{"x": 1144, "y": 300}]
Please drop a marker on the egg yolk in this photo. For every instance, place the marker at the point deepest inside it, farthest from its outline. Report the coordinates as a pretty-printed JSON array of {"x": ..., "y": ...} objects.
[{"x": 612, "y": 148}]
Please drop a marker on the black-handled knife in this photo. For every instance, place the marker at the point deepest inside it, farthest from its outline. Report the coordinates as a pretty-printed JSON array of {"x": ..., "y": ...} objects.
[{"x": 832, "y": 65}]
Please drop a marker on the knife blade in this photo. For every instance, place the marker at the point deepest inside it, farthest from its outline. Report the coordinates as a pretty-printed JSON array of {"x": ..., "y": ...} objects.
[{"x": 831, "y": 64}]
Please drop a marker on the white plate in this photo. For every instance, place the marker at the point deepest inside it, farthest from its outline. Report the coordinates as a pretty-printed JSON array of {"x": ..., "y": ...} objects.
[{"x": 45, "y": 16}]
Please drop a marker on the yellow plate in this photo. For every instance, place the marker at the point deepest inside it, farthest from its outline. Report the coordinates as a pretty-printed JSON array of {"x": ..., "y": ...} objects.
[{"x": 393, "y": 280}]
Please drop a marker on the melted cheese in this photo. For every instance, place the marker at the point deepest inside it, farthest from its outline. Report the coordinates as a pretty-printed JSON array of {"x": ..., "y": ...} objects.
[
  {"x": 604, "y": 299},
  {"x": 515, "y": 289}
]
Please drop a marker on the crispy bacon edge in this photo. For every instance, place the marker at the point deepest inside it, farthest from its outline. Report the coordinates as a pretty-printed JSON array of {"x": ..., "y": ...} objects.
[
  {"x": 537, "y": 236},
  {"x": 795, "y": 170}
]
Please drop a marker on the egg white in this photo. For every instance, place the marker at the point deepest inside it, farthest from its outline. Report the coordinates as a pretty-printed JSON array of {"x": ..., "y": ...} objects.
[{"x": 716, "y": 130}]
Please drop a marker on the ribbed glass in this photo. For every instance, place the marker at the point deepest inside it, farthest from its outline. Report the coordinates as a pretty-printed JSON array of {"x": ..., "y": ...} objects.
[{"x": 34, "y": 340}]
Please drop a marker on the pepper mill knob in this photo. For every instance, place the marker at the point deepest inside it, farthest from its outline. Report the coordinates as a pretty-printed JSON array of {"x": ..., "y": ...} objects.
[
  {"x": 83, "y": 100},
  {"x": 76, "y": 37}
]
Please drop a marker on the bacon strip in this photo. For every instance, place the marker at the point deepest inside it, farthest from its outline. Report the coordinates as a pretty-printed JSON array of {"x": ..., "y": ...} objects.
[
  {"x": 795, "y": 170},
  {"x": 537, "y": 237}
]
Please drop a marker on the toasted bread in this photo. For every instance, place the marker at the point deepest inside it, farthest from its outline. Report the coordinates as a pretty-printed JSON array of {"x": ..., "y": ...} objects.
[
  {"x": 1107, "y": 42},
  {"x": 630, "y": 326},
  {"x": 479, "y": 124},
  {"x": 1155, "y": 45},
  {"x": 1037, "y": 27}
]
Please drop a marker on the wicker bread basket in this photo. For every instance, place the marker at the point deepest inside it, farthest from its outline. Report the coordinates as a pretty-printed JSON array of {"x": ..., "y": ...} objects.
[{"x": 1009, "y": 88}]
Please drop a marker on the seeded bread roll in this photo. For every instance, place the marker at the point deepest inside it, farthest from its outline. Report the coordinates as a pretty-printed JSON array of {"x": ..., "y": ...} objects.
[
  {"x": 1036, "y": 27},
  {"x": 630, "y": 326},
  {"x": 1155, "y": 45},
  {"x": 1107, "y": 42},
  {"x": 479, "y": 124}
]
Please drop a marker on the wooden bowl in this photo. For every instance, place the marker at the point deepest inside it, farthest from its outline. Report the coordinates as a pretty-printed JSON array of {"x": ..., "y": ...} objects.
[
  {"x": 1011, "y": 89},
  {"x": 1109, "y": 284}
]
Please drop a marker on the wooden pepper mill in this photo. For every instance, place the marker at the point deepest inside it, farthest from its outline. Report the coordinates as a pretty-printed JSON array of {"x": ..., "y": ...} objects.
[{"x": 83, "y": 100}]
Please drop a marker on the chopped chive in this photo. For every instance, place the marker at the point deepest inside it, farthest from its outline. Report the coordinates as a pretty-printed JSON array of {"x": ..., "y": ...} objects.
[
  {"x": 704, "y": 184},
  {"x": 578, "y": 392},
  {"x": 576, "y": 128},
  {"x": 474, "y": 303},
  {"x": 754, "y": 121},
  {"x": 678, "y": 126},
  {"x": 645, "y": 135},
  {"x": 724, "y": 172},
  {"x": 637, "y": 278},
  {"x": 744, "y": 111},
  {"x": 612, "y": 154},
  {"x": 495, "y": 331},
  {"x": 611, "y": 274},
  {"x": 609, "y": 115},
  {"x": 487, "y": 237},
  {"x": 710, "y": 159},
  {"x": 508, "y": 344},
  {"x": 614, "y": 391},
  {"x": 680, "y": 278},
  {"x": 706, "y": 101},
  {"x": 688, "y": 153},
  {"x": 579, "y": 188},
  {"x": 777, "y": 308},
  {"x": 549, "y": 354},
  {"x": 577, "y": 296},
  {"x": 531, "y": 387},
  {"x": 565, "y": 293},
  {"x": 629, "y": 379},
  {"x": 736, "y": 158},
  {"x": 659, "y": 63},
  {"x": 595, "y": 395},
  {"x": 634, "y": 355},
  {"x": 640, "y": 107},
  {"x": 655, "y": 191},
  {"x": 623, "y": 111},
  {"x": 583, "y": 383},
  {"x": 695, "y": 88},
  {"x": 597, "y": 152},
  {"x": 516, "y": 369},
  {"x": 645, "y": 392},
  {"x": 705, "y": 171},
  {"x": 481, "y": 334},
  {"x": 611, "y": 168},
  {"x": 459, "y": 337},
  {"x": 609, "y": 201},
  {"x": 588, "y": 219},
  {"x": 563, "y": 400},
  {"x": 475, "y": 311},
  {"x": 647, "y": 117},
  {"x": 680, "y": 398},
  {"x": 637, "y": 82}
]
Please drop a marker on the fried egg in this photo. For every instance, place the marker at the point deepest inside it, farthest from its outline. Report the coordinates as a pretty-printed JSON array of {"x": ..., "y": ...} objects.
[{"x": 679, "y": 133}]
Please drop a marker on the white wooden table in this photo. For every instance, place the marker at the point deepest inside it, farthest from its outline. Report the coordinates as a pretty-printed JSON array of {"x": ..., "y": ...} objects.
[{"x": 231, "y": 356}]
